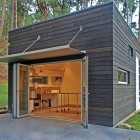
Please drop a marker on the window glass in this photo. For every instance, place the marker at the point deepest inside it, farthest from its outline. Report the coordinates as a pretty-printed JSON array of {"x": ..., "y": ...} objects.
[
  {"x": 122, "y": 76},
  {"x": 130, "y": 50}
]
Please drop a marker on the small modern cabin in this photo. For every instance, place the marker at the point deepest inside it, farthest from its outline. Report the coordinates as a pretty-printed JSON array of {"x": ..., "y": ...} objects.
[{"x": 83, "y": 66}]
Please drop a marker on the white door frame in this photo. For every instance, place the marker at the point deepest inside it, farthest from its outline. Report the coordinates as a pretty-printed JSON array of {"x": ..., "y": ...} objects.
[
  {"x": 84, "y": 94},
  {"x": 14, "y": 91},
  {"x": 137, "y": 81}
]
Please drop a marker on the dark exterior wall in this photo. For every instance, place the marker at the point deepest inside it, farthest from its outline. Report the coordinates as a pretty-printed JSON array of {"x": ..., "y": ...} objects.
[
  {"x": 96, "y": 24},
  {"x": 96, "y": 38},
  {"x": 124, "y": 96}
]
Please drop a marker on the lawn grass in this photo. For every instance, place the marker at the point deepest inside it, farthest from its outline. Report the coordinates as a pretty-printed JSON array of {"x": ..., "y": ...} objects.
[
  {"x": 134, "y": 121},
  {"x": 3, "y": 94}
]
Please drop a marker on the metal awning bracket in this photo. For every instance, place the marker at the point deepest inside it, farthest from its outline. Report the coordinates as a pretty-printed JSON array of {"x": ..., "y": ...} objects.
[
  {"x": 38, "y": 38},
  {"x": 75, "y": 35}
]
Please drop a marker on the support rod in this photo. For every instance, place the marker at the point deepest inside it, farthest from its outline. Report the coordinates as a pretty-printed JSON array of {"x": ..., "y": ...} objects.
[
  {"x": 38, "y": 38},
  {"x": 75, "y": 35}
]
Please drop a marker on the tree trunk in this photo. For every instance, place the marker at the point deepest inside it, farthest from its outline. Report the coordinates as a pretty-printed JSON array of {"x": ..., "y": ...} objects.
[
  {"x": 23, "y": 20},
  {"x": 62, "y": 7},
  {"x": 15, "y": 13},
  {"x": 91, "y": 2},
  {"x": 2, "y": 17},
  {"x": 42, "y": 7},
  {"x": 12, "y": 14},
  {"x": 139, "y": 23},
  {"x": 127, "y": 12}
]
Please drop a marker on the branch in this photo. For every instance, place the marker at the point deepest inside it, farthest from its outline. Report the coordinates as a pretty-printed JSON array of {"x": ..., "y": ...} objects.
[{"x": 40, "y": 9}]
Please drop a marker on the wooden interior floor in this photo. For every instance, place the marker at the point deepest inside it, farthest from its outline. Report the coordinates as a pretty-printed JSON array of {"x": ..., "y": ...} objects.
[{"x": 51, "y": 112}]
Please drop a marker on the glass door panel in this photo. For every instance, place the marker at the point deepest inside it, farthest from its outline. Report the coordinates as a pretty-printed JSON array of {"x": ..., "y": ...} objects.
[
  {"x": 22, "y": 90},
  {"x": 84, "y": 97}
]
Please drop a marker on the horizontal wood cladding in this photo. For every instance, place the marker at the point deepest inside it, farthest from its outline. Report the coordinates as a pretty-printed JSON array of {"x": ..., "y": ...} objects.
[
  {"x": 98, "y": 122},
  {"x": 123, "y": 95},
  {"x": 96, "y": 38},
  {"x": 98, "y": 114},
  {"x": 125, "y": 30},
  {"x": 65, "y": 28},
  {"x": 101, "y": 87},
  {"x": 61, "y": 37},
  {"x": 62, "y": 40},
  {"x": 96, "y": 23},
  {"x": 124, "y": 109},
  {"x": 57, "y": 42},
  {"x": 59, "y": 21}
]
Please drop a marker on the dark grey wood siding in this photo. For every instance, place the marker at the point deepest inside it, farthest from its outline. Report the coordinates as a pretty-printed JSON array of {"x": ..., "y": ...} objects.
[
  {"x": 124, "y": 96},
  {"x": 96, "y": 38}
]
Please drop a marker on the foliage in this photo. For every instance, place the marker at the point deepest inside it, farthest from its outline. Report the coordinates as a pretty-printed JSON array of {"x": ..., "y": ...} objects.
[
  {"x": 6, "y": 23},
  {"x": 134, "y": 121},
  {"x": 3, "y": 66},
  {"x": 57, "y": 7},
  {"x": 129, "y": 8},
  {"x": 29, "y": 11},
  {"x": 3, "y": 46},
  {"x": 3, "y": 94}
]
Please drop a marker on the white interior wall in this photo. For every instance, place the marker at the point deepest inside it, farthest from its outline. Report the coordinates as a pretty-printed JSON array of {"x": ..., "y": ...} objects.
[
  {"x": 71, "y": 83},
  {"x": 48, "y": 73}
]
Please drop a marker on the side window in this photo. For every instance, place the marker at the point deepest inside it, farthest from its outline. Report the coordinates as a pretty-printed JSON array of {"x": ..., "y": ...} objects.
[
  {"x": 130, "y": 50},
  {"x": 123, "y": 76}
]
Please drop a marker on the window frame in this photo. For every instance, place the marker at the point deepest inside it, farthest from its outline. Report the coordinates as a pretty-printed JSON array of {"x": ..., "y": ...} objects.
[
  {"x": 130, "y": 51},
  {"x": 127, "y": 77}
]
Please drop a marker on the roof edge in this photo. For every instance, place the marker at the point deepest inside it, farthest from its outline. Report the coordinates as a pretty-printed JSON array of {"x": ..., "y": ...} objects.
[{"x": 75, "y": 12}]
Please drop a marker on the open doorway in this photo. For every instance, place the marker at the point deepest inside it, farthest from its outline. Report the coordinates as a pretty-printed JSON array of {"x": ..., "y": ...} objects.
[
  {"x": 55, "y": 90},
  {"x": 58, "y": 90}
]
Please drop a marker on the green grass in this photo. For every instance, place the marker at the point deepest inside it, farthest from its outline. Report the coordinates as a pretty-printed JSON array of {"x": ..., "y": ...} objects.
[
  {"x": 134, "y": 121},
  {"x": 3, "y": 94}
]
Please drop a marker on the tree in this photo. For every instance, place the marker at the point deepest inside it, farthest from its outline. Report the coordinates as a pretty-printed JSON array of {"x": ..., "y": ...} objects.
[
  {"x": 129, "y": 8},
  {"x": 20, "y": 13},
  {"x": 15, "y": 13},
  {"x": 24, "y": 17},
  {"x": 59, "y": 7},
  {"x": 43, "y": 7},
  {"x": 2, "y": 17},
  {"x": 139, "y": 23},
  {"x": 12, "y": 14}
]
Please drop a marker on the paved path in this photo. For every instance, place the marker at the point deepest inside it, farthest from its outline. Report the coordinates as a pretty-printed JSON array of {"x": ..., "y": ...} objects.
[{"x": 33, "y": 128}]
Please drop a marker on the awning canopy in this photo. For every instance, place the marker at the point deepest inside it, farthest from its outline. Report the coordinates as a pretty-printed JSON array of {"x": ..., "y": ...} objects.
[{"x": 64, "y": 50}]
